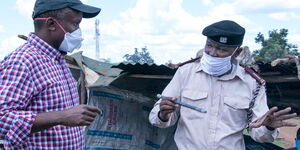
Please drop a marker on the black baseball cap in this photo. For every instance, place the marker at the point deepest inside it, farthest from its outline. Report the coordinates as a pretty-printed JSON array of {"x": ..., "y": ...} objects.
[
  {"x": 42, "y": 6},
  {"x": 225, "y": 33}
]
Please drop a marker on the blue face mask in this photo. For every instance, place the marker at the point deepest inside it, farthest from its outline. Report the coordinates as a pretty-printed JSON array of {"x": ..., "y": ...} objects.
[{"x": 216, "y": 66}]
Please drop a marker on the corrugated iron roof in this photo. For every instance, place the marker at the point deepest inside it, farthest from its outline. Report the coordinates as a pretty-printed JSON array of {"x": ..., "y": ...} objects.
[{"x": 149, "y": 69}]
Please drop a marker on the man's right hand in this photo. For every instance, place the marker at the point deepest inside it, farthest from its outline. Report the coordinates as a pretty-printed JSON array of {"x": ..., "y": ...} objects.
[
  {"x": 167, "y": 107},
  {"x": 80, "y": 115}
]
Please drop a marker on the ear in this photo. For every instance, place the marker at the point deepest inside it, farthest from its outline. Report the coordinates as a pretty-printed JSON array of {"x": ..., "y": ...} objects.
[{"x": 51, "y": 24}]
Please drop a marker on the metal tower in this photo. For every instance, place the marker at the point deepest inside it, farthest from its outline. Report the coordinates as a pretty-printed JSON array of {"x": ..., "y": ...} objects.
[{"x": 97, "y": 35}]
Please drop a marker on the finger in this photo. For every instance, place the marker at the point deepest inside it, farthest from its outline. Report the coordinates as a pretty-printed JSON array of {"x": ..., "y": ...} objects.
[
  {"x": 93, "y": 109},
  {"x": 289, "y": 124},
  {"x": 169, "y": 98},
  {"x": 255, "y": 125},
  {"x": 261, "y": 120},
  {"x": 282, "y": 112},
  {"x": 267, "y": 115},
  {"x": 86, "y": 123},
  {"x": 286, "y": 117},
  {"x": 167, "y": 111},
  {"x": 286, "y": 124},
  {"x": 270, "y": 114},
  {"x": 272, "y": 110},
  {"x": 167, "y": 102},
  {"x": 89, "y": 119},
  {"x": 167, "y": 107},
  {"x": 174, "y": 99},
  {"x": 90, "y": 113}
]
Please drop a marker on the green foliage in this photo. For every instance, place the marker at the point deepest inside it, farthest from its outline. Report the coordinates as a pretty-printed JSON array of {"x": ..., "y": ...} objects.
[
  {"x": 276, "y": 46},
  {"x": 139, "y": 57},
  {"x": 277, "y": 142}
]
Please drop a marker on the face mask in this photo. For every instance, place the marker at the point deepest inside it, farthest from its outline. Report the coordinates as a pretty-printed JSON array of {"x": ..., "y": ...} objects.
[
  {"x": 71, "y": 41},
  {"x": 216, "y": 66}
]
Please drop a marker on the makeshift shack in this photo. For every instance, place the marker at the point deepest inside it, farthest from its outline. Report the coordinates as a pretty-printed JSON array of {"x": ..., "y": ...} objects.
[
  {"x": 125, "y": 94},
  {"x": 283, "y": 84}
]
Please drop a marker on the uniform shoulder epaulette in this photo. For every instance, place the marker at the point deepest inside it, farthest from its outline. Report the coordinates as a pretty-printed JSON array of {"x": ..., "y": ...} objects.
[
  {"x": 189, "y": 61},
  {"x": 254, "y": 75}
]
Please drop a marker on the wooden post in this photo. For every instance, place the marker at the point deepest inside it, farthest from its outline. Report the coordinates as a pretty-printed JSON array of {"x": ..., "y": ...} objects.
[{"x": 83, "y": 92}]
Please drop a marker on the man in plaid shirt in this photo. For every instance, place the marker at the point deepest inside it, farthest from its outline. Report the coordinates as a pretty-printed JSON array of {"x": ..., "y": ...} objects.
[{"x": 39, "y": 103}]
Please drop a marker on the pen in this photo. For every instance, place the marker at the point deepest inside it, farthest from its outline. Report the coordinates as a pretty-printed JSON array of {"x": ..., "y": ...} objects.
[{"x": 183, "y": 104}]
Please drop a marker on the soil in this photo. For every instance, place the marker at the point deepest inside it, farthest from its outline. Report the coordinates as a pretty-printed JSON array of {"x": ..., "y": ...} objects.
[{"x": 288, "y": 134}]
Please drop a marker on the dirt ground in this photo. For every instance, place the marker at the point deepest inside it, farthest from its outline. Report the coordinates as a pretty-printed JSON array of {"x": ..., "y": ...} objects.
[{"x": 288, "y": 134}]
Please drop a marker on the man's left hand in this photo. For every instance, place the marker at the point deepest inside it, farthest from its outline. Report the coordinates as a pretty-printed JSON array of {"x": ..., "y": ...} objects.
[{"x": 275, "y": 119}]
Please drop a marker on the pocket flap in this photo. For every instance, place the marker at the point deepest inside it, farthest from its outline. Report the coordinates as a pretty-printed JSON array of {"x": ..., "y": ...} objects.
[
  {"x": 237, "y": 102},
  {"x": 194, "y": 95}
]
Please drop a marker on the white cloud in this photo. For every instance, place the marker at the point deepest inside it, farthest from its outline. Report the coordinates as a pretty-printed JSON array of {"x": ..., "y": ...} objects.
[
  {"x": 87, "y": 24},
  {"x": 9, "y": 44},
  {"x": 163, "y": 26},
  {"x": 294, "y": 39},
  {"x": 25, "y": 7},
  {"x": 260, "y": 6},
  {"x": 284, "y": 16},
  {"x": 170, "y": 32},
  {"x": 1, "y": 28},
  {"x": 207, "y": 2}
]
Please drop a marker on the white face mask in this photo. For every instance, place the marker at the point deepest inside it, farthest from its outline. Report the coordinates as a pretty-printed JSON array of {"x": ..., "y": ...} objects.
[
  {"x": 216, "y": 66},
  {"x": 71, "y": 41}
]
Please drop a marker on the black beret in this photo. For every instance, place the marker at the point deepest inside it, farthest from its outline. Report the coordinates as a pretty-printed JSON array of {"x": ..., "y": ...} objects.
[
  {"x": 226, "y": 33},
  {"x": 42, "y": 6}
]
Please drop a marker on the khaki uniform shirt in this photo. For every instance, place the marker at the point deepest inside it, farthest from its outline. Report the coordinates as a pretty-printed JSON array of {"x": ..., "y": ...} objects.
[{"x": 225, "y": 98}]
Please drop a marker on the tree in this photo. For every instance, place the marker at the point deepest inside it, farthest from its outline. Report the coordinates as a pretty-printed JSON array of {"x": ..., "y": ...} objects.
[
  {"x": 139, "y": 57},
  {"x": 276, "y": 46}
]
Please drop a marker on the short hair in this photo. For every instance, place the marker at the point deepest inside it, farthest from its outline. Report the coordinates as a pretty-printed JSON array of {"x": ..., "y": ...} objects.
[{"x": 56, "y": 14}]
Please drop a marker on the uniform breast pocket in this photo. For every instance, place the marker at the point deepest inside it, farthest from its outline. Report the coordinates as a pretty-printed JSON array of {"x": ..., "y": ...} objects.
[
  {"x": 234, "y": 112},
  {"x": 195, "y": 98}
]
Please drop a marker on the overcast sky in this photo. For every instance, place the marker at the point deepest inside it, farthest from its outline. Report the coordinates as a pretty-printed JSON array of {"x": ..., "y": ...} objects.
[{"x": 171, "y": 29}]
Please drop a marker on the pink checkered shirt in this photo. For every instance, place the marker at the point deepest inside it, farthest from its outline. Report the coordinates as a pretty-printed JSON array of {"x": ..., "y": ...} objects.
[{"x": 35, "y": 78}]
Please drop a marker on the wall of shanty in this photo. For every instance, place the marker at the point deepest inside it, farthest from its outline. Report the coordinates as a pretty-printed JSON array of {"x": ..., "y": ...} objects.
[{"x": 283, "y": 82}]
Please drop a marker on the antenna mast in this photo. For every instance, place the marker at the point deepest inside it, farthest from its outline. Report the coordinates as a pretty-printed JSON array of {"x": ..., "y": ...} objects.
[{"x": 97, "y": 35}]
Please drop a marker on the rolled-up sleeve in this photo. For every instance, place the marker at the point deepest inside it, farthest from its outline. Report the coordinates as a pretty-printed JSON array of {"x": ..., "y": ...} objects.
[
  {"x": 154, "y": 119},
  {"x": 172, "y": 90},
  {"x": 262, "y": 134},
  {"x": 16, "y": 90}
]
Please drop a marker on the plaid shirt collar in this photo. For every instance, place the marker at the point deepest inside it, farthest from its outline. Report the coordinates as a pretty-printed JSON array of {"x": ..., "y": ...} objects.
[{"x": 45, "y": 47}]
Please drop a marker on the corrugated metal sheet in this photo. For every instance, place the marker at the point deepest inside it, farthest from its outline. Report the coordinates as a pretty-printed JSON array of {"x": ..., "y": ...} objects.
[
  {"x": 101, "y": 68},
  {"x": 148, "y": 69}
]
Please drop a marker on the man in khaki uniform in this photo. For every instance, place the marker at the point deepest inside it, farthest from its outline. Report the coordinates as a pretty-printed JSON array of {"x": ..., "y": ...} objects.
[{"x": 220, "y": 86}]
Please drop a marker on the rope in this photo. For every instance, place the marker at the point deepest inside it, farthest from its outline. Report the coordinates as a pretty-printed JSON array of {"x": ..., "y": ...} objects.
[{"x": 252, "y": 102}]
